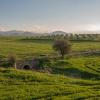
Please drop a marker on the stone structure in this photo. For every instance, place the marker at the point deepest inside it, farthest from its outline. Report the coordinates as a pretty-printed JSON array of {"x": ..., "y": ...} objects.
[{"x": 28, "y": 64}]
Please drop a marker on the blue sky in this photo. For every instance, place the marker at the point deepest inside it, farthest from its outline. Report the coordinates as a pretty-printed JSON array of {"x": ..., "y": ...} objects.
[{"x": 50, "y": 15}]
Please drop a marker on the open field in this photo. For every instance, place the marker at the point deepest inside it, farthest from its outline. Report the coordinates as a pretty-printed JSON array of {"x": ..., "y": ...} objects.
[
  {"x": 74, "y": 78},
  {"x": 28, "y": 48}
]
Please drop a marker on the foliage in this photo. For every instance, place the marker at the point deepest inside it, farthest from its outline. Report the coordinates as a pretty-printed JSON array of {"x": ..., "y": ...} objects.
[
  {"x": 43, "y": 62},
  {"x": 62, "y": 46},
  {"x": 12, "y": 60}
]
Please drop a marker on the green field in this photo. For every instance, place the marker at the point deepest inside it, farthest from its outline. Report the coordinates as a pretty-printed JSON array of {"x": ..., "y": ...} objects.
[
  {"x": 27, "y": 85},
  {"x": 74, "y": 78},
  {"x": 28, "y": 48}
]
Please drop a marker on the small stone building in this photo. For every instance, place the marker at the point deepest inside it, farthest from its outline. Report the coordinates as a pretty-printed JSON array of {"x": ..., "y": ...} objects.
[{"x": 28, "y": 64}]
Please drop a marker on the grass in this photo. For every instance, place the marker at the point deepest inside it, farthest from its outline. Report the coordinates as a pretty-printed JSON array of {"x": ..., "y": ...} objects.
[
  {"x": 28, "y": 48},
  {"x": 75, "y": 78},
  {"x": 26, "y": 85},
  {"x": 88, "y": 45},
  {"x": 80, "y": 67},
  {"x": 23, "y": 49}
]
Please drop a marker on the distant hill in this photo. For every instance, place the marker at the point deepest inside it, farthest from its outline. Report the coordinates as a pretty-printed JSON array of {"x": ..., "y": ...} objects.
[
  {"x": 17, "y": 33},
  {"x": 58, "y": 32},
  {"x": 26, "y": 33}
]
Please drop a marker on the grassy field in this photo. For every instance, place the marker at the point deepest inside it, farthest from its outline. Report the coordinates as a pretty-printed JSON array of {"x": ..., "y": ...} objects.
[
  {"x": 28, "y": 48},
  {"x": 28, "y": 85},
  {"x": 74, "y": 78}
]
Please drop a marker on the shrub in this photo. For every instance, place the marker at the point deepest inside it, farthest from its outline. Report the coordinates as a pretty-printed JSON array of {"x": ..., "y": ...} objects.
[{"x": 12, "y": 60}]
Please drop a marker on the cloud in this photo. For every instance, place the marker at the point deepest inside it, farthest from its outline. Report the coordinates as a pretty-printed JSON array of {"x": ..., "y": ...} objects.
[
  {"x": 40, "y": 28},
  {"x": 93, "y": 27},
  {"x": 85, "y": 27},
  {"x": 50, "y": 28},
  {"x": 2, "y": 28}
]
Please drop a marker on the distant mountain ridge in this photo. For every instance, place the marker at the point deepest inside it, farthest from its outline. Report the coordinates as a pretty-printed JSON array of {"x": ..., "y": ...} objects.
[
  {"x": 27, "y": 33},
  {"x": 16, "y": 33},
  {"x": 59, "y": 32}
]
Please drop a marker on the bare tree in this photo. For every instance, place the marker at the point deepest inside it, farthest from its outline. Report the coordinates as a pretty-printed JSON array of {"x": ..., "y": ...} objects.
[{"x": 62, "y": 46}]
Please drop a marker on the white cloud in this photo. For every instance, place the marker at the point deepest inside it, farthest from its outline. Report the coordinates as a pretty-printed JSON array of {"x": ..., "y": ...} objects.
[
  {"x": 50, "y": 28},
  {"x": 2, "y": 29},
  {"x": 40, "y": 28},
  {"x": 94, "y": 27},
  {"x": 86, "y": 27}
]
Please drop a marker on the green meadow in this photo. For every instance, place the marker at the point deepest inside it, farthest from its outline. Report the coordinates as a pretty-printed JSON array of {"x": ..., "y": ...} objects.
[
  {"x": 73, "y": 78},
  {"x": 24, "y": 48}
]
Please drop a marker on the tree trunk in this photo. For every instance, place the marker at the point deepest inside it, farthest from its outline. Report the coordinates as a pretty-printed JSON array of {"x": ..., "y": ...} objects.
[
  {"x": 62, "y": 56},
  {"x": 14, "y": 65}
]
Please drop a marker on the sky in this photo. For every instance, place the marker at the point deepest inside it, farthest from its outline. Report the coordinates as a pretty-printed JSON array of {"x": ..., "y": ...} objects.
[{"x": 50, "y": 15}]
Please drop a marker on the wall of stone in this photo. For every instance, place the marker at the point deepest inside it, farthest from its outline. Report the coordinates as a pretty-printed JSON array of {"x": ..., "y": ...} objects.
[{"x": 32, "y": 64}]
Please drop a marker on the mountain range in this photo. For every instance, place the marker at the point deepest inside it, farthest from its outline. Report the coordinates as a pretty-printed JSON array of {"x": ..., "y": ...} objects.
[{"x": 27, "y": 33}]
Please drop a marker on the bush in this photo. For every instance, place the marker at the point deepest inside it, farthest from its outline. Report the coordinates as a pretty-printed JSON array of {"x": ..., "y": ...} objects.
[
  {"x": 43, "y": 62},
  {"x": 12, "y": 60}
]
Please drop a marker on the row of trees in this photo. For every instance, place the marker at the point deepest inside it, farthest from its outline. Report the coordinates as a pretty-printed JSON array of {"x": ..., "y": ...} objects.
[{"x": 68, "y": 36}]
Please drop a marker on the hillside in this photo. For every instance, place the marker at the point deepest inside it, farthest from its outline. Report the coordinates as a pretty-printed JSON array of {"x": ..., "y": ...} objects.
[{"x": 72, "y": 80}]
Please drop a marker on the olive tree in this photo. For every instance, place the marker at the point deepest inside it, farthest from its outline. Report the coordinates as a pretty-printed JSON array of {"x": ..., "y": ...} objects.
[{"x": 62, "y": 46}]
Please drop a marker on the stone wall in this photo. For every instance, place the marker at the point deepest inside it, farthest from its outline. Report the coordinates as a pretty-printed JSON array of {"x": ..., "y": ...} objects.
[{"x": 28, "y": 64}]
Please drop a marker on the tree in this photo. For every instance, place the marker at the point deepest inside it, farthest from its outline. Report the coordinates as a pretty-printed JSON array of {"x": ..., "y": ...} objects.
[
  {"x": 12, "y": 60},
  {"x": 62, "y": 46}
]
